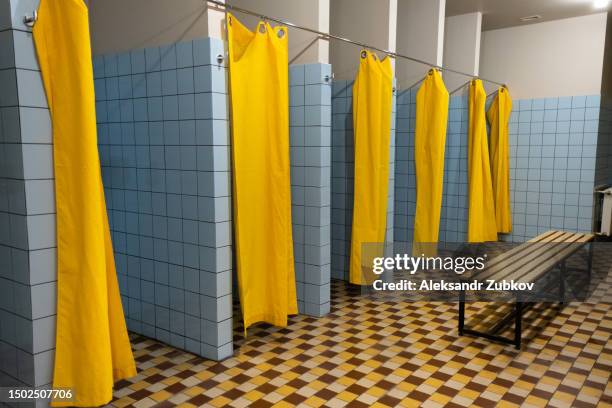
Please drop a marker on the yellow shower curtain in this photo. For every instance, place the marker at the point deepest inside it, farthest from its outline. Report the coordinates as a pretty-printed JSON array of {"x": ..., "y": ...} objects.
[
  {"x": 259, "y": 88},
  {"x": 481, "y": 212},
  {"x": 92, "y": 346},
  {"x": 372, "y": 100},
  {"x": 498, "y": 115},
  {"x": 429, "y": 143}
]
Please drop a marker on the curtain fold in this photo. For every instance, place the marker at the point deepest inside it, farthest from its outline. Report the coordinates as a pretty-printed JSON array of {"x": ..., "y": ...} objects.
[
  {"x": 372, "y": 108},
  {"x": 482, "y": 226},
  {"x": 92, "y": 346},
  {"x": 259, "y": 90},
  {"x": 429, "y": 144},
  {"x": 498, "y": 116}
]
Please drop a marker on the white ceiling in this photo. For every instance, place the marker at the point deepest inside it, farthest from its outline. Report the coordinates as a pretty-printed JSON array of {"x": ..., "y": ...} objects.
[{"x": 507, "y": 13}]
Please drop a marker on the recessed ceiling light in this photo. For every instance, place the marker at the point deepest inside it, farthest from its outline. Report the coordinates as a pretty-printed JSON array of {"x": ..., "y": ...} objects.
[
  {"x": 599, "y": 4},
  {"x": 531, "y": 18}
]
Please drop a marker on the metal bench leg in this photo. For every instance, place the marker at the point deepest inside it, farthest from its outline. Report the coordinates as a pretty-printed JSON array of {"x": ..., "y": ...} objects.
[
  {"x": 461, "y": 311},
  {"x": 562, "y": 273},
  {"x": 590, "y": 260},
  {"x": 517, "y": 324}
]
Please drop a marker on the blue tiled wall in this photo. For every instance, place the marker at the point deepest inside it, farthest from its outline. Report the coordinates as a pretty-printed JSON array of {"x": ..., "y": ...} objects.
[
  {"x": 405, "y": 184},
  {"x": 310, "y": 120},
  {"x": 553, "y": 144},
  {"x": 164, "y": 149},
  {"x": 343, "y": 177},
  {"x": 28, "y": 277}
]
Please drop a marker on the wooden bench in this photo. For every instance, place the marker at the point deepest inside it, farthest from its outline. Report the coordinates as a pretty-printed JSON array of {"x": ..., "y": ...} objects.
[{"x": 528, "y": 262}]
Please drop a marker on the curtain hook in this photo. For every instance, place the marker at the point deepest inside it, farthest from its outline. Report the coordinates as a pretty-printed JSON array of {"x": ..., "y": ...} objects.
[{"x": 29, "y": 20}]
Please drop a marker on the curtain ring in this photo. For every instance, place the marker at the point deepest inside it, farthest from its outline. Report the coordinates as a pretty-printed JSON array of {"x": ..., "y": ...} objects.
[
  {"x": 364, "y": 54},
  {"x": 281, "y": 33},
  {"x": 262, "y": 28}
]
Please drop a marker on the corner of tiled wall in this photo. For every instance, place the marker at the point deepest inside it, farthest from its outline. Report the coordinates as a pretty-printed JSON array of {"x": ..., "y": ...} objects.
[
  {"x": 310, "y": 128},
  {"x": 27, "y": 209},
  {"x": 164, "y": 148},
  {"x": 343, "y": 180},
  {"x": 342, "y": 176},
  {"x": 603, "y": 163}
]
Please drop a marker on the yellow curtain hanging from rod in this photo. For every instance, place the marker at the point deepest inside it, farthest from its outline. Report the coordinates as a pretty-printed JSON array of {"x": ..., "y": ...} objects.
[
  {"x": 92, "y": 346},
  {"x": 429, "y": 144},
  {"x": 482, "y": 226},
  {"x": 259, "y": 90},
  {"x": 498, "y": 116},
  {"x": 372, "y": 107}
]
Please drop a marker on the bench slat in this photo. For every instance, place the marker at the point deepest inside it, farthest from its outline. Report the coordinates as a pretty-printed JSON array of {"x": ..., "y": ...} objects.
[
  {"x": 569, "y": 250},
  {"x": 546, "y": 237},
  {"x": 518, "y": 249},
  {"x": 547, "y": 256},
  {"x": 527, "y": 257}
]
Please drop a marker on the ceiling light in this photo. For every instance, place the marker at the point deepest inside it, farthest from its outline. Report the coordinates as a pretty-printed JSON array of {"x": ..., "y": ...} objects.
[
  {"x": 531, "y": 18},
  {"x": 599, "y": 4}
]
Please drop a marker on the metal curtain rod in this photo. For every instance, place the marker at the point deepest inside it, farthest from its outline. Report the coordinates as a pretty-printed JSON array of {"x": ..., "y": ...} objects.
[{"x": 346, "y": 40}]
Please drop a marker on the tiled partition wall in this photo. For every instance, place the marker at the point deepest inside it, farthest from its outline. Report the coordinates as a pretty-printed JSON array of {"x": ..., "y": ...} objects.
[
  {"x": 405, "y": 183},
  {"x": 165, "y": 154},
  {"x": 164, "y": 148},
  {"x": 310, "y": 120},
  {"x": 343, "y": 177},
  {"x": 603, "y": 168},
  {"x": 27, "y": 211},
  {"x": 553, "y": 144}
]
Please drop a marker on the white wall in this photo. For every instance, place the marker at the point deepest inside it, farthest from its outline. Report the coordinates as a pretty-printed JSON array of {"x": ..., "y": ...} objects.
[
  {"x": 461, "y": 48},
  {"x": 121, "y": 25},
  {"x": 420, "y": 34},
  {"x": 308, "y": 13},
  {"x": 606, "y": 81},
  {"x": 555, "y": 58},
  {"x": 366, "y": 21}
]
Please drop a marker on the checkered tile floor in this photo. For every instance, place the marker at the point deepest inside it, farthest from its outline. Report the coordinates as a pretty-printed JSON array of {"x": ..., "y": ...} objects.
[{"x": 386, "y": 354}]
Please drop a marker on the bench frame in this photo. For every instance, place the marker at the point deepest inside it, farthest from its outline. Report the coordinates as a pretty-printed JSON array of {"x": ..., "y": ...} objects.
[{"x": 520, "y": 306}]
